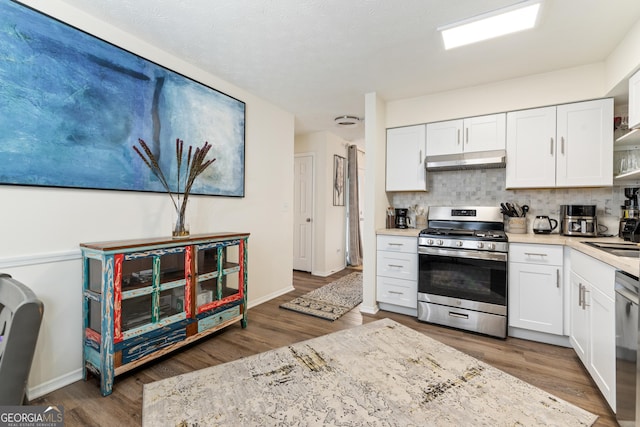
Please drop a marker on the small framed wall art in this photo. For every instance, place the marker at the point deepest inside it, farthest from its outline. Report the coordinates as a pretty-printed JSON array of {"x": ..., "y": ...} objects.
[{"x": 338, "y": 180}]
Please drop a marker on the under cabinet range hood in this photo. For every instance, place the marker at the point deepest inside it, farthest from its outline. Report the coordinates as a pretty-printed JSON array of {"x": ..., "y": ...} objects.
[{"x": 476, "y": 160}]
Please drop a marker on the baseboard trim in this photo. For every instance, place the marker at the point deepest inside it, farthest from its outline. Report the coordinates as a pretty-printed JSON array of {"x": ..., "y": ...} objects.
[
  {"x": 366, "y": 309},
  {"x": 54, "y": 384},
  {"x": 413, "y": 312},
  {"x": 525, "y": 334},
  {"x": 270, "y": 296},
  {"x": 328, "y": 273}
]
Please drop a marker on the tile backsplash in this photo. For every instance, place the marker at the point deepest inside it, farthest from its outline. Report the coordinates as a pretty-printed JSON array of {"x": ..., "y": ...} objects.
[{"x": 486, "y": 187}]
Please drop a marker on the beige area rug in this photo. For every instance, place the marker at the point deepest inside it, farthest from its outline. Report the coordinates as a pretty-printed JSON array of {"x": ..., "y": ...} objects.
[
  {"x": 378, "y": 374},
  {"x": 330, "y": 301}
]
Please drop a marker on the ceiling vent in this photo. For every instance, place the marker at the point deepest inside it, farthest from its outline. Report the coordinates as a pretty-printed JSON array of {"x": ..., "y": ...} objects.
[{"x": 347, "y": 121}]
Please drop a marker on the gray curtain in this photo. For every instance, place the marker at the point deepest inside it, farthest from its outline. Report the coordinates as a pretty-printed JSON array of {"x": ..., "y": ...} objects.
[{"x": 354, "y": 256}]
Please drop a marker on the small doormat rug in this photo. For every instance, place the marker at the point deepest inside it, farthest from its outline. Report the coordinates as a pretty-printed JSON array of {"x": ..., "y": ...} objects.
[
  {"x": 330, "y": 301},
  {"x": 378, "y": 374}
]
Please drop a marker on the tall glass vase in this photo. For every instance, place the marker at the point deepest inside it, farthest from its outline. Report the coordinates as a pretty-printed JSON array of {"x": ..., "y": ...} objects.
[{"x": 180, "y": 225}]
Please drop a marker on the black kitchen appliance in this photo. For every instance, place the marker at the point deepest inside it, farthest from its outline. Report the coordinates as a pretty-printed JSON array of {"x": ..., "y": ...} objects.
[
  {"x": 626, "y": 314},
  {"x": 631, "y": 230},
  {"x": 629, "y": 213},
  {"x": 462, "y": 269},
  {"x": 402, "y": 220},
  {"x": 630, "y": 208}
]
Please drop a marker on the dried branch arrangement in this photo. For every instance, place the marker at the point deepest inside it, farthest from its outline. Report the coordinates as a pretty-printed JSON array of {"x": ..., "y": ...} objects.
[{"x": 195, "y": 164}]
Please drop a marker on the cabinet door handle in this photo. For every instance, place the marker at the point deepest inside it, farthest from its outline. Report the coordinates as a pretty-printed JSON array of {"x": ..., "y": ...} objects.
[
  {"x": 562, "y": 145},
  {"x": 420, "y": 157},
  {"x": 394, "y": 266},
  {"x": 534, "y": 254},
  {"x": 467, "y": 135},
  {"x": 551, "y": 147},
  {"x": 458, "y": 136},
  {"x": 395, "y": 292},
  {"x": 558, "y": 278},
  {"x": 395, "y": 244},
  {"x": 580, "y": 296}
]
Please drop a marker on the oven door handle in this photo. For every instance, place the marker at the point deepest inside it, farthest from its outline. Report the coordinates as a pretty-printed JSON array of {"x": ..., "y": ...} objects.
[{"x": 463, "y": 253}]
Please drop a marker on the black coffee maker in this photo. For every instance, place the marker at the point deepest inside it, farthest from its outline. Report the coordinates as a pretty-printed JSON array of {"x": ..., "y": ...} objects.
[
  {"x": 630, "y": 208},
  {"x": 401, "y": 218},
  {"x": 629, "y": 228}
]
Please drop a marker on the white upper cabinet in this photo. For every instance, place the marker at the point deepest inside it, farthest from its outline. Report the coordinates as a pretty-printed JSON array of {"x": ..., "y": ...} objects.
[
  {"x": 482, "y": 133},
  {"x": 570, "y": 145},
  {"x": 406, "y": 148},
  {"x": 634, "y": 101},
  {"x": 585, "y": 144},
  {"x": 531, "y": 159},
  {"x": 444, "y": 137},
  {"x": 485, "y": 133}
]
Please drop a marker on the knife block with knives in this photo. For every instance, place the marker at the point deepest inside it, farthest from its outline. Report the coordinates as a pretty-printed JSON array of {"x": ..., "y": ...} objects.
[{"x": 516, "y": 221}]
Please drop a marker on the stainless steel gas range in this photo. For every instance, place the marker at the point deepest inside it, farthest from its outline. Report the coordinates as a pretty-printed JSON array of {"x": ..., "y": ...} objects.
[{"x": 462, "y": 279}]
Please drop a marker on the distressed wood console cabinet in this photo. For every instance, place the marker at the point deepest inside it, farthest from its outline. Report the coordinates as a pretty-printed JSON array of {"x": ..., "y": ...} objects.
[{"x": 145, "y": 298}]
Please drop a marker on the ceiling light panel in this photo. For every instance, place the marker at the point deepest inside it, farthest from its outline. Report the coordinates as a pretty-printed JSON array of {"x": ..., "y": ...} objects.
[{"x": 519, "y": 17}]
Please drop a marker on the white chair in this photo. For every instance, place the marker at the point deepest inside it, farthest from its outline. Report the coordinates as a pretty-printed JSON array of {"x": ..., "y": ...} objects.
[{"x": 20, "y": 317}]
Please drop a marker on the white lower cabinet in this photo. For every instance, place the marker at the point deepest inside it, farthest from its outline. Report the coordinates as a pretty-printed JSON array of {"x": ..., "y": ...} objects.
[
  {"x": 397, "y": 274},
  {"x": 398, "y": 292},
  {"x": 536, "y": 287},
  {"x": 592, "y": 311}
]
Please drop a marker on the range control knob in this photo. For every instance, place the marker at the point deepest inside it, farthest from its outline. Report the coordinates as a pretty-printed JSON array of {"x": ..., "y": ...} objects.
[
  {"x": 459, "y": 243},
  {"x": 480, "y": 245},
  {"x": 491, "y": 246},
  {"x": 430, "y": 242},
  {"x": 439, "y": 242}
]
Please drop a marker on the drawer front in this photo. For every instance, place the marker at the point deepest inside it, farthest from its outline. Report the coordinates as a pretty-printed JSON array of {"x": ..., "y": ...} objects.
[
  {"x": 599, "y": 274},
  {"x": 536, "y": 254},
  {"x": 398, "y": 244},
  {"x": 218, "y": 318},
  {"x": 397, "y": 264},
  {"x": 151, "y": 345},
  {"x": 397, "y": 291}
]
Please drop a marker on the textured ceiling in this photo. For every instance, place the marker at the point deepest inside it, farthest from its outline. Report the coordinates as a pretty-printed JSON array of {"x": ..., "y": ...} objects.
[{"x": 317, "y": 58}]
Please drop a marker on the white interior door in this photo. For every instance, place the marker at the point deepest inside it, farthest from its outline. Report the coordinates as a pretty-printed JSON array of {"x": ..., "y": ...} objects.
[{"x": 303, "y": 212}]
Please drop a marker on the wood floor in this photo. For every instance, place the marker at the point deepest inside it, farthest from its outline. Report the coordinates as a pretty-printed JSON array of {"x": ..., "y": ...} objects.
[{"x": 554, "y": 369}]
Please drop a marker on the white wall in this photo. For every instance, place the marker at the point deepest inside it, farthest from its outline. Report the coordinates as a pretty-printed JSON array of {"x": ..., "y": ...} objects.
[
  {"x": 602, "y": 79},
  {"x": 329, "y": 222},
  {"x": 623, "y": 61},
  {"x": 42, "y": 227},
  {"x": 573, "y": 84}
]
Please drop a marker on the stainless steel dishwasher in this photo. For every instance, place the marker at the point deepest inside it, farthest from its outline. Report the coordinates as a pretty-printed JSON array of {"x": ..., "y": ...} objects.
[{"x": 626, "y": 287}]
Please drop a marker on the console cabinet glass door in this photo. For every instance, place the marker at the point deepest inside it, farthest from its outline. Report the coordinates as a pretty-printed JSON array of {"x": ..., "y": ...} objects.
[
  {"x": 218, "y": 270},
  {"x": 151, "y": 291}
]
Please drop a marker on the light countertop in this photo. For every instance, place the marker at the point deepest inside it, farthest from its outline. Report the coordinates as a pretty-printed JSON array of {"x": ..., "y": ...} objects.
[
  {"x": 629, "y": 265},
  {"x": 405, "y": 232}
]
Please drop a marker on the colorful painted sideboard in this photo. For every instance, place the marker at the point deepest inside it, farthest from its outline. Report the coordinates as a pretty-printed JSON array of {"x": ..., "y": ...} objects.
[{"x": 144, "y": 298}]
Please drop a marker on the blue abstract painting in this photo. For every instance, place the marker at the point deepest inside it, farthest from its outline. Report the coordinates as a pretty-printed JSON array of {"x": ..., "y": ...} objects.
[{"x": 72, "y": 106}]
